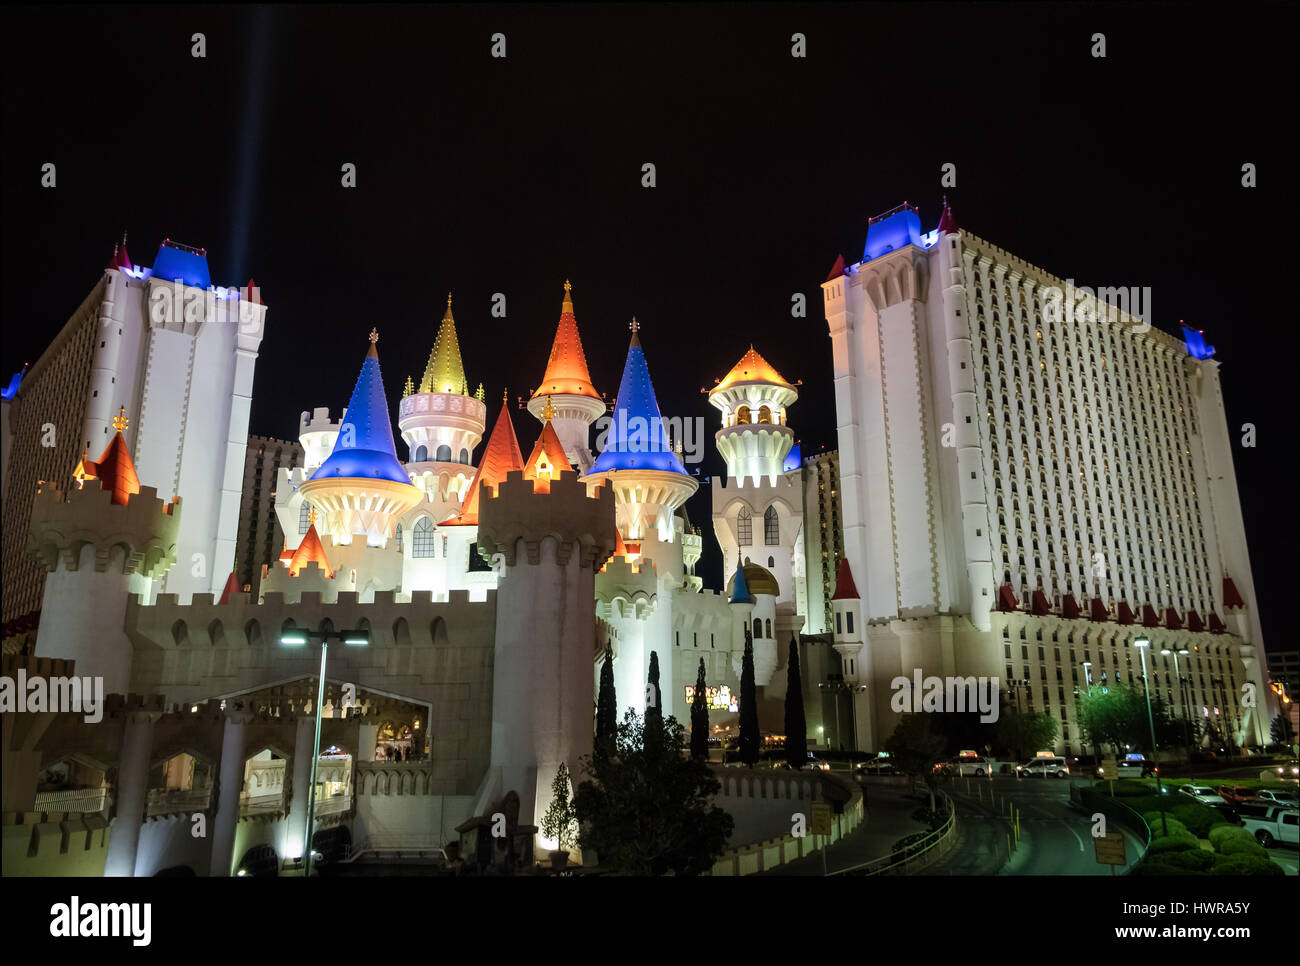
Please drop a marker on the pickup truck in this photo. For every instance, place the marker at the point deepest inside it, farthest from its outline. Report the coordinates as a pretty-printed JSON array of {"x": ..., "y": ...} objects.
[{"x": 1271, "y": 824}]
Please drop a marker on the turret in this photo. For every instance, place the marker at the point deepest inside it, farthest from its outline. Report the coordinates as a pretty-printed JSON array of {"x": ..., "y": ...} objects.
[
  {"x": 846, "y": 611},
  {"x": 566, "y": 387},
  {"x": 755, "y": 437},
  {"x": 752, "y": 592},
  {"x": 99, "y": 544},
  {"x": 548, "y": 547}
]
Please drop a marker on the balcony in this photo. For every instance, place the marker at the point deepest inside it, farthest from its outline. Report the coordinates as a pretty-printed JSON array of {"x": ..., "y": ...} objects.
[
  {"x": 84, "y": 800},
  {"x": 177, "y": 801}
]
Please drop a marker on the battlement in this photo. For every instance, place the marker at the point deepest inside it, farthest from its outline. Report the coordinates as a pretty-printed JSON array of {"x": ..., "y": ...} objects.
[
  {"x": 43, "y": 667},
  {"x": 627, "y": 588},
  {"x": 567, "y": 514},
  {"x": 170, "y": 625},
  {"x": 786, "y": 480},
  {"x": 318, "y": 420},
  {"x": 64, "y": 521}
]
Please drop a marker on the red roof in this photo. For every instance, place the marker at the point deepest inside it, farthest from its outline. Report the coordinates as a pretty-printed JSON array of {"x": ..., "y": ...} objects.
[
  {"x": 1216, "y": 625},
  {"x": 1194, "y": 622},
  {"x": 1007, "y": 599},
  {"x": 1069, "y": 607},
  {"x": 310, "y": 551},
  {"x": 547, "y": 460},
  {"x": 1149, "y": 616},
  {"x": 1099, "y": 612},
  {"x": 120, "y": 258},
  {"x": 947, "y": 223},
  {"x": 1040, "y": 606},
  {"x": 1230, "y": 596},
  {"x": 1172, "y": 620},
  {"x": 1125, "y": 615},
  {"x": 837, "y": 269},
  {"x": 845, "y": 589},
  {"x": 232, "y": 587},
  {"x": 114, "y": 470},
  {"x": 500, "y": 456}
]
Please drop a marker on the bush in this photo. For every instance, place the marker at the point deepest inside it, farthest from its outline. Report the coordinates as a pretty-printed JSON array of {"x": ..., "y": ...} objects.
[
  {"x": 1191, "y": 860},
  {"x": 1244, "y": 865},
  {"x": 1126, "y": 788},
  {"x": 1198, "y": 818},
  {"x": 1164, "y": 827},
  {"x": 1175, "y": 843},
  {"x": 1231, "y": 840}
]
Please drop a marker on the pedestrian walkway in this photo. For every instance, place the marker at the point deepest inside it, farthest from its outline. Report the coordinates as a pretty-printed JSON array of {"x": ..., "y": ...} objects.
[{"x": 888, "y": 818}]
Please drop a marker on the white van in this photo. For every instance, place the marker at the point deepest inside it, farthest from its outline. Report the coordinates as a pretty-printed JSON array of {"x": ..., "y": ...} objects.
[{"x": 1044, "y": 767}]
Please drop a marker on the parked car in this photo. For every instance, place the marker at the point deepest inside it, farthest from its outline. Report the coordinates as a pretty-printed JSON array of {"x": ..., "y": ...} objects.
[
  {"x": 1278, "y": 796},
  {"x": 879, "y": 766},
  {"x": 1045, "y": 768},
  {"x": 1288, "y": 770},
  {"x": 1235, "y": 794},
  {"x": 1271, "y": 824},
  {"x": 968, "y": 765},
  {"x": 1202, "y": 793},
  {"x": 1137, "y": 768}
]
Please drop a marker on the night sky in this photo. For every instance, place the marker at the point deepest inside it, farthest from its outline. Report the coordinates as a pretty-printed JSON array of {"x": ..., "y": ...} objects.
[{"x": 478, "y": 175}]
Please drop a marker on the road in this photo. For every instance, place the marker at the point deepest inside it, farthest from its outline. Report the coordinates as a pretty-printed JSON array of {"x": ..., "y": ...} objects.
[{"x": 1054, "y": 838}]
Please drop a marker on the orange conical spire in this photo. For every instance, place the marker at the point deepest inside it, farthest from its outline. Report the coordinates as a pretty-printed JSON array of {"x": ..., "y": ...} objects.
[
  {"x": 547, "y": 460},
  {"x": 310, "y": 550},
  {"x": 500, "y": 456},
  {"x": 114, "y": 468},
  {"x": 566, "y": 369}
]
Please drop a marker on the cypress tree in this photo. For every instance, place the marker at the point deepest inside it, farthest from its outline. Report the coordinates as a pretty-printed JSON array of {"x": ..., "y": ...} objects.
[
  {"x": 700, "y": 718},
  {"x": 796, "y": 728},
  {"x": 654, "y": 701},
  {"x": 607, "y": 704},
  {"x": 748, "y": 706}
]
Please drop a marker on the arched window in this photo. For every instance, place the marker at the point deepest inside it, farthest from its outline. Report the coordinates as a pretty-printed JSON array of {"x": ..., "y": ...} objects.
[
  {"x": 744, "y": 530},
  {"x": 769, "y": 629},
  {"x": 421, "y": 454},
  {"x": 464, "y": 456},
  {"x": 422, "y": 538},
  {"x": 771, "y": 562},
  {"x": 764, "y": 415},
  {"x": 398, "y": 538},
  {"x": 304, "y": 517},
  {"x": 742, "y": 415},
  {"x": 771, "y": 527},
  {"x": 444, "y": 454},
  {"x": 758, "y": 627}
]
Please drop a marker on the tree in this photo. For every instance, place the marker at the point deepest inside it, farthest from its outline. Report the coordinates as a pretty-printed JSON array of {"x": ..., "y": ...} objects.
[
  {"x": 607, "y": 704},
  {"x": 700, "y": 717},
  {"x": 1023, "y": 732},
  {"x": 1117, "y": 716},
  {"x": 748, "y": 706},
  {"x": 1280, "y": 730},
  {"x": 654, "y": 703},
  {"x": 915, "y": 748},
  {"x": 647, "y": 809},
  {"x": 796, "y": 728},
  {"x": 559, "y": 822}
]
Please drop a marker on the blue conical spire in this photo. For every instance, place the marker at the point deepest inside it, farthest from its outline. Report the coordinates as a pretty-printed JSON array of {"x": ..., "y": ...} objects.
[
  {"x": 364, "y": 448},
  {"x": 740, "y": 592},
  {"x": 637, "y": 439}
]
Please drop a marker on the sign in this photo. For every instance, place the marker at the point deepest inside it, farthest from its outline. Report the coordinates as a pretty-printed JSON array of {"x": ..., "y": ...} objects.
[
  {"x": 821, "y": 818},
  {"x": 1109, "y": 768},
  {"x": 1110, "y": 849},
  {"x": 1045, "y": 754},
  {"x": 715, "y": 699}
]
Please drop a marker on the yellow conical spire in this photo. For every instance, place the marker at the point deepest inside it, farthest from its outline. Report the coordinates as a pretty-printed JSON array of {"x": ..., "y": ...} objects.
[{"x": 445, "y": 372}]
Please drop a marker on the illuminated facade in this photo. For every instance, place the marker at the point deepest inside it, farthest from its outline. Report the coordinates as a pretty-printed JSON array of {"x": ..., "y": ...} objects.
[{"x": 1033, "y": 479}]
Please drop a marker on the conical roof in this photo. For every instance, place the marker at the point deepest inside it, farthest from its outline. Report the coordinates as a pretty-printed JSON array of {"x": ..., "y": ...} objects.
[
  {"x": 947, "y": 221},
  {"x": 310, "y": 551},
  {"x": 120, "y": 257},
  {"x": 845, "y": 589},
  {"x": 444, "y": 372},
  {"x": 566, "y": 369},
  {"x": 547, "y": 460},
  {"x": 637, "y": 437},
  {"x": 740, "y": 587},
  {"x": 232, "y": 587},
  {"x": 500, "y": 456},
  {"x": 114, "y": 469},
  {"x": 751, "y": 368},
  {"x": 364, "y": 448}
]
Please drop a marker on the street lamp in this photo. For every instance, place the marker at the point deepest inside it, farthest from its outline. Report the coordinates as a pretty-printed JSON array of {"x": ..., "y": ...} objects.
[
  {"x": 1182, "y": 699},
  {"x": 299, "y": 637},
  {"x": 1142, "y": 644}
]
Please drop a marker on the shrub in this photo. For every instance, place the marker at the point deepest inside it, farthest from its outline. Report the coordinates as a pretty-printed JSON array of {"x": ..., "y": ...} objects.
[
  {"x": 1231, "y": 840},
  {"x": 1175, "y": 843},
  {"x": 1244, "y": 865},
  {"x": 1198, "y": 819},
  {"x": 1164, "y": 827},
  {"x": 1191, "y": 860},
  {"x": 1126, "y": 788}
]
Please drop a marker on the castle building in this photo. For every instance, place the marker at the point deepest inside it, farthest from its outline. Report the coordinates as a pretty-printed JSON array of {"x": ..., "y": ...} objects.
[
  {"x": 1032, "y": 479},
  {"x": 260, "y": 538},
  {"x": 823, "y": 537}
]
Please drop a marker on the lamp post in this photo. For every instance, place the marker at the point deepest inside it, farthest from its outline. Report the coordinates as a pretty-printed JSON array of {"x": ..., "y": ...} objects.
[
  {"x": 1142, "y": 644},
  {"x": 836, "y": 685},
  {"x": 299, "y": 637},
  {"x": 1187, "y": 733}
]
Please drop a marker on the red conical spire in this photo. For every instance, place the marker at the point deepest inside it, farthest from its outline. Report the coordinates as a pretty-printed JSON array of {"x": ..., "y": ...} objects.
[
  {"x": 114, "y": 468},
  {"x": 251, "y": 293},
  {"x": 566, "y": 369},
  {"x": 309, "y": 551},
  {"x": 837, "y": 269},
  {"x": 947, "y": 222},
  {"x": 500, "y": 456},
  {"x": 845, "y": 589},
  {"x": 547, "y": 460},
  {"x": 232, "y": 587},
  {"x": 120, "y": 258}
]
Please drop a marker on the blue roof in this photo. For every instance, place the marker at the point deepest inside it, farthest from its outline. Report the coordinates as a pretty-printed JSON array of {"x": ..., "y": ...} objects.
[
  {"x": 893, "y": 231},
  {"x": 740, "y": 592},
  {"x": 12, "y": 389},
  {"x": 364, "y": 449},
  {"x": 793, "y": 459},
  {"x": 189, "y": 265},
  {"x": 637, "y": 438},
  {"x": 1195, "y": 342}
]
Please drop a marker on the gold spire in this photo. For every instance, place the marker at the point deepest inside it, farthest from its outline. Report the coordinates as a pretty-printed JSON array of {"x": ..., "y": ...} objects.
[
  {"x": 444, "y": 371},
  {"x": 120, "y": 420},
  {"x": 567, "y": 304},
  {"x": 311, "y": 515},
  {"x": 373, "y": 351},
  {"x": 548, "y": 413},
  {"x": 409, "y": 388},
  {"x": 505, "y": 397},
  {"x": 478, "y": 393}
]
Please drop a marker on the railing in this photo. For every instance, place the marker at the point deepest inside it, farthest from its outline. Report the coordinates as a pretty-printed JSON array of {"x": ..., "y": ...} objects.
[
  {"x": 165, "y": 801},
  {"x": 397, "y": 846},
  {"x": 922, "y": 852},
  {"x": 333, "y": 805},
  {"x": 85, "y": 800},
  {"x": 261, "y": 805}
]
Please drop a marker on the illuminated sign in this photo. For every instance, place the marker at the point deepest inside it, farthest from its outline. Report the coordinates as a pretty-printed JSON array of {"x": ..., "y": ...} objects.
[
  {"x": 968, "y": 754},
  {"x": 1046, "y": 754},
  {"x": 716, "y": 699}
]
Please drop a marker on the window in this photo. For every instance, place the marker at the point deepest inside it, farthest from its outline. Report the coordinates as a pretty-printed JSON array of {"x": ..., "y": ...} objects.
[
  {"x": 769, "y": 629},
  {"x": 742, "y": 415},
  {"x": 771, "y": 562},
  {"x": 839, "y": 628},
  {"x": 422, "y": 538},
  {"x": 764, "y": 415},
  {"x": 304, "y": 517},
  {"x": 744, "y": 532},
  {"x": 848, "y": 618},
  {"x": 444, "y": 454},
  {"x": 771, "y": 527},
  {"x": 464, "y": 456},
  {"x": 758, "y": 627},
  {"x": 399, "y": 538},
  {"x": 421, "y": 454}
]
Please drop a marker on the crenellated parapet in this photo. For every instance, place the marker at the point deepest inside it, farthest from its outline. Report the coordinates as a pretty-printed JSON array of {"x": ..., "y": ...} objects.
[
  {"x": 567, "y": 514},
  {"x": 627, "y": 589},
  {"x": 64, "y": 522}
]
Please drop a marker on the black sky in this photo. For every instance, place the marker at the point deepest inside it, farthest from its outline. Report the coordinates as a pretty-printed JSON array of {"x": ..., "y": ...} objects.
[{"x": 479, "y": 175}]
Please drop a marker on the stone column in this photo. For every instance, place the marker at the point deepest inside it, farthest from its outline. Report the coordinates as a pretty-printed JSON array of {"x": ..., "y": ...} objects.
[
  {"x": 296, "y": 826},
  {"x": 231, "y": 783},
  {"x": 132, "y": 792},
  {"x": 367, "y": 739}
]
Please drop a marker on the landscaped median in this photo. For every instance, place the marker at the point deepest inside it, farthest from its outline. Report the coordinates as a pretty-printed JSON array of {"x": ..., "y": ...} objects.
[{"x": 1187, "y": 837}]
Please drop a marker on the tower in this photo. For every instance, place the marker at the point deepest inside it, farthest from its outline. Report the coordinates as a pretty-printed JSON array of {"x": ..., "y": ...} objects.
[
  {"x": 442, "y": 423},
  {"x": 99, "y": 545},
  {"x": 567, "y": 387},
  {"x": 549, "y": 546}
]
